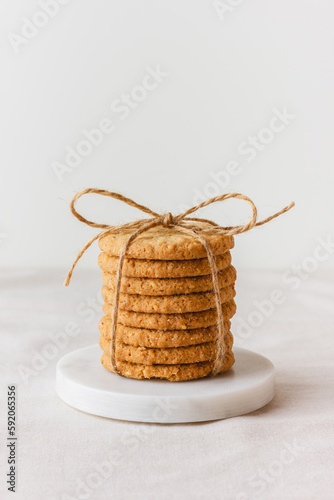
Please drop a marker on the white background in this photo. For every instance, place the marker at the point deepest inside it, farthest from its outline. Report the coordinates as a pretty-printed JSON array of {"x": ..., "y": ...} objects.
[{"x": 226, "y": 74}]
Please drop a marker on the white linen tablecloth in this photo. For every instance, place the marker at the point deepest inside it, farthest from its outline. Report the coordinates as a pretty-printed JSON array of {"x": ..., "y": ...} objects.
[{"x": 283, "y": 451}]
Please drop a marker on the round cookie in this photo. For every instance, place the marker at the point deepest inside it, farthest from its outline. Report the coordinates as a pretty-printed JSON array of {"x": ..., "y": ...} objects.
[
  {"x": 173, "y": 373},
  {"x": 171, "y": 304},
  {"x": 165, "y": 243},
  {"x": 143, "y": 268},
  {"x": 172, "y": 356},
  {"x": 185, "y": 321},
  {"x": 170, "y": 286},
  {"x": 141, "y": 337}
]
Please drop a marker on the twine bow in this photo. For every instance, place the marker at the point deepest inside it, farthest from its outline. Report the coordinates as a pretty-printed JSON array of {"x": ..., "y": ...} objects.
[{"x": 182, "y": 223}]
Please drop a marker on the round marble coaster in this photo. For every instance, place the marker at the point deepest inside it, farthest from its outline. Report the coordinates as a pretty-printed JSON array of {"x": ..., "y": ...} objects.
[{"x": 82, "y": 382}]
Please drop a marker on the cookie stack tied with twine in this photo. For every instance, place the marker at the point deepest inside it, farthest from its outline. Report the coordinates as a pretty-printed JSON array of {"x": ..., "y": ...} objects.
[
  {"x": 168, "y": 290},
  {"x": 166, "y": 325}
]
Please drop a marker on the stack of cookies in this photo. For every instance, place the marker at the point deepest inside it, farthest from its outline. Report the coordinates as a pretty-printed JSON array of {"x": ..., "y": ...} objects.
[{"x": 167, "y": 318}]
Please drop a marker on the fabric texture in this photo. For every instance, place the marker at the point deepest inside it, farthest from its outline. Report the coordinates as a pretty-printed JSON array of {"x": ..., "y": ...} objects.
[{"x": 282, "y": 451}]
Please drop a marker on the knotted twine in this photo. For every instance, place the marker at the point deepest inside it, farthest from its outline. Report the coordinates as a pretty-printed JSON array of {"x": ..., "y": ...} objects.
[{"x": 180, "y": 223}]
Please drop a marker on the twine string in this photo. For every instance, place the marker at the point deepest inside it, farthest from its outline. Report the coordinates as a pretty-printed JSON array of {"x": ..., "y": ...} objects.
[
  {"x": 118, "y": 279},
  {"x": 182, "y": 223},
  {"x": 221, "y": 341}
]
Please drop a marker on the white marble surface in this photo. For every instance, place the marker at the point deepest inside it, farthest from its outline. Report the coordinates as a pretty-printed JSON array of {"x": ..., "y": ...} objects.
[{"x": 83, "y": 383}]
